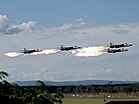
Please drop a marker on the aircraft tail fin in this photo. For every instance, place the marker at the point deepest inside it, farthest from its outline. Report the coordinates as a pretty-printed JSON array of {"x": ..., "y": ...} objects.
[
  {"x": 25, "y": 49},
  {"x": 111, "y": 44},
  {"x": 61, "y": 46}
]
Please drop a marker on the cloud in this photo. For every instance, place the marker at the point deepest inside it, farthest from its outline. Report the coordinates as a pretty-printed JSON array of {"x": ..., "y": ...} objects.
[
  {"x": 8, "y": 28},
  {"x": 4, "y": 23},
  {"x": 121, "y": 31},
  {"x": 27, "y": 26},
  {"x": 78, "y": 23}
]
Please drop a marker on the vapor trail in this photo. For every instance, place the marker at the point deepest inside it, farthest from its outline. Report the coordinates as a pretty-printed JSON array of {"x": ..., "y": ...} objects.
[{"x": 89, "y": 51}]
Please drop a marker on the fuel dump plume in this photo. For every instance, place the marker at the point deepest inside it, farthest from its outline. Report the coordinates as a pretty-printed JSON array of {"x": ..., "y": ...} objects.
[{"x": 89, "y": 51}]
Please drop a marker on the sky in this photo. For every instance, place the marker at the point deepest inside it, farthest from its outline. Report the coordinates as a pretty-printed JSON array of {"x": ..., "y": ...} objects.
[{"x": 47, "y": 24}]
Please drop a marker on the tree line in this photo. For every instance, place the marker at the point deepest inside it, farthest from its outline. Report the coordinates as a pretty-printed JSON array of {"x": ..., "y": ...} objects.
[
  {"x": 96, "y": 89},
  {"x": 93, "y": 89}
]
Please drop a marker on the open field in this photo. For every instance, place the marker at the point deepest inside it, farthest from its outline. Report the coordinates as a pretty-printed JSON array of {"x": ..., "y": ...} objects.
[
  {"x": 83, "y": 101},
  {"x": 97, "y": 98},
  {"x": 90, "y": 100}
]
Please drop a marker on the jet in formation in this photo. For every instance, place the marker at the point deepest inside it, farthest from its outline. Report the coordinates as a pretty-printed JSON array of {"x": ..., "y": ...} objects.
[
  {"x": 62, "y": 48},
  {"x": 26, "y": 51},
  {"x": 119, "y": 45},
  {"x": 116, "y": 50},
  {"x": 113, "y": 47}
]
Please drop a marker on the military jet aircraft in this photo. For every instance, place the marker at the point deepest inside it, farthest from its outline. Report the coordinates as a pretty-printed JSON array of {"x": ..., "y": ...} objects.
[
  {"x": 116, "y": 50},
  {"x": 62, "y": 48},
  {"x": 31, "y": 51},
  {"x": 119, "y": 45}
]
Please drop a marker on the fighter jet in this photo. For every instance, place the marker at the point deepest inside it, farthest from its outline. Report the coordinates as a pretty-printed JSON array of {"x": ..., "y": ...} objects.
[
  {"x": 62, "y": 48},
  {"x": 31, "y": 51},
  {"x": 116, "y": 50},
  {"x": 119, "y": 45}
]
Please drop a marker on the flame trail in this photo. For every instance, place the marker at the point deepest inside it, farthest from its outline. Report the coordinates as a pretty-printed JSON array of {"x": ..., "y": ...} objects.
[
  {"x": 12, "y": 54},
  {"x": 89, "y": 51}
]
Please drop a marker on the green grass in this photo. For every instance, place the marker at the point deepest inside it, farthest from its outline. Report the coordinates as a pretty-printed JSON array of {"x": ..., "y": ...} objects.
[
  {"x": 96, "y": 99},
  {"x": 83, "y": 101},
  {"x": 92, "y": 100}
]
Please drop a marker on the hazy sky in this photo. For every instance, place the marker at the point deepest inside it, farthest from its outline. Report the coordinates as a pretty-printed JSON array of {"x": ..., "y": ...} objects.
[{"x": 47, "y": 24}]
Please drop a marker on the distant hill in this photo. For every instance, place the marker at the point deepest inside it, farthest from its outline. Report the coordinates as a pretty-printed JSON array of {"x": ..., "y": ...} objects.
[{"x": 76, "y": 83}]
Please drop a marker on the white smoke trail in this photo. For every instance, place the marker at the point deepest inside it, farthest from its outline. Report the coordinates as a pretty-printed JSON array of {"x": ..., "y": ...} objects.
[
  {"x": 12, "y": 54},
  {"x": 89, "y": 51}
]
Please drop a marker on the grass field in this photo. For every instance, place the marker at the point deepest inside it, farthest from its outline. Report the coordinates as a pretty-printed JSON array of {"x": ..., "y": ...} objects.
[
  {"x": 91, "y": 100},
  {"x": 96, "y": 99},
  {"x": 83, "y": 101}
]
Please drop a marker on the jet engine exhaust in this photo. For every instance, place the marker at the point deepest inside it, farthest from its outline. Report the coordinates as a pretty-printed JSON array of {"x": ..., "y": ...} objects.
[{"x": 89, "y": 51}]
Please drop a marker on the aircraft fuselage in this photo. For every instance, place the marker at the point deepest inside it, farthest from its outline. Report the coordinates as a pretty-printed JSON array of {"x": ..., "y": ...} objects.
[
  {"x": 31, "y": 51},
  {"x": 68, "y": 48},
  {"x": 119, "y": 45},
  {"x": 116, "y": 50}
]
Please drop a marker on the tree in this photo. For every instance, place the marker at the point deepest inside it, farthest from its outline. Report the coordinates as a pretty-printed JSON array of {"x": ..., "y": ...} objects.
[
  {"x": 44, "y": 97},
  {"x": 58, "y": 98},
  {"x": 42, "y": 85},
  {"x": 3, "y": 74}
]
